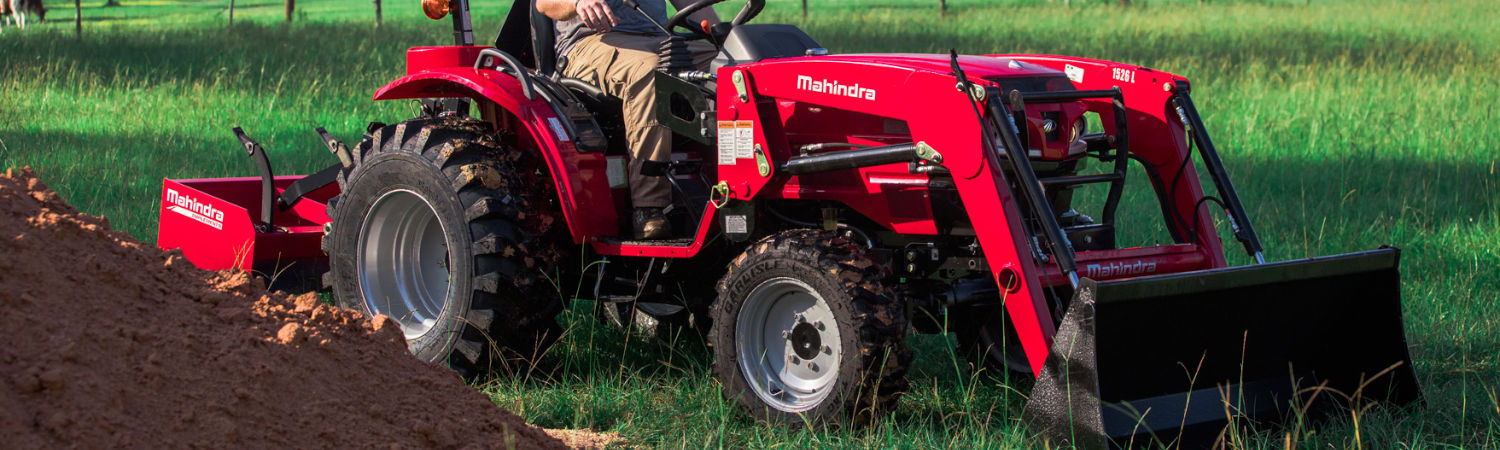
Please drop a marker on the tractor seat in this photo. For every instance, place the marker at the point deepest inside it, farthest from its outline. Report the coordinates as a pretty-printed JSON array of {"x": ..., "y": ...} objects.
[{"x": 749, "y": 43}]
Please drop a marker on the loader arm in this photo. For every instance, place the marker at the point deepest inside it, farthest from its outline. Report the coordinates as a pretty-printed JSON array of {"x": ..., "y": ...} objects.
[
  {"x": 1159, "y": 129},
  {"x": 1166, "y": 358}
]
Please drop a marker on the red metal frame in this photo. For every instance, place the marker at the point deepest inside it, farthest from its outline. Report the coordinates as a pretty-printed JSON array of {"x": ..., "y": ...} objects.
[
  {"x": 786, "y": 103},
  {"x": 1156, "y": 132},
  {"x": 919, "y": 92}
]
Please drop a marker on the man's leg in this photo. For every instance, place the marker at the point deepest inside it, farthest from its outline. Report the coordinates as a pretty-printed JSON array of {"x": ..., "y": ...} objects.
[{"x": 624, "y": 65}]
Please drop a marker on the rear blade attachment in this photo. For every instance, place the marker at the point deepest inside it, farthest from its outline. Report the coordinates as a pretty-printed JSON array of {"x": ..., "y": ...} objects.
[{"x": 1175, "y": 359}]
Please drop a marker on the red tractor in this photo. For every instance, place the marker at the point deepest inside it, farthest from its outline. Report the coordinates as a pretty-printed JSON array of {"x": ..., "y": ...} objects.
[{"x": 831, "y": 204}]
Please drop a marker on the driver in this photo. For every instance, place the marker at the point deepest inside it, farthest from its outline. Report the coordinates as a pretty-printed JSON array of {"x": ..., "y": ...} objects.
[{"x": 615, "y": 48}]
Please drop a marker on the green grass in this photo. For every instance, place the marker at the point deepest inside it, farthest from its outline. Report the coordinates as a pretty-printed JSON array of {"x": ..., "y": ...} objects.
[{"x": 1346, "y": 125}]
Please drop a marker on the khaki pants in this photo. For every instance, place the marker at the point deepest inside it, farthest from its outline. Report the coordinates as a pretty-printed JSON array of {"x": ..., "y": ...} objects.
[{"x": 622, "y": 65}]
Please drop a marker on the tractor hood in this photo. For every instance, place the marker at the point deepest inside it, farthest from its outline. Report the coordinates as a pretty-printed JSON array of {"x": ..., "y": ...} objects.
[{"x": 975, "y": 66}]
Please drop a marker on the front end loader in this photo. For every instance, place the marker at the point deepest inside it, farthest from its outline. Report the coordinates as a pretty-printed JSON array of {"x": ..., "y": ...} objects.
[{"x": 827, "y": 206}]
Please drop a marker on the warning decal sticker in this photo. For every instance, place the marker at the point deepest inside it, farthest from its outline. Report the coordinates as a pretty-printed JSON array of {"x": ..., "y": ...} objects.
[
  {"x": 726, "y": 143},
  {"x": 744, "y": 139}
]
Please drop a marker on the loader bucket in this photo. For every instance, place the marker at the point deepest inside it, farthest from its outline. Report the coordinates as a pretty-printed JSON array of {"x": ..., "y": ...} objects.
[{"x": 1169, "y": 359}]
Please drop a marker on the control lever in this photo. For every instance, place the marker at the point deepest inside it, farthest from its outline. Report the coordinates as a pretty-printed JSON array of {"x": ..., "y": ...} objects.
[{"x": 637, "y": 7}]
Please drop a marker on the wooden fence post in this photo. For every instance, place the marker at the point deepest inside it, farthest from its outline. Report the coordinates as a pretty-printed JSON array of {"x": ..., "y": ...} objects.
[
  {"x": 290, "y": 5},
  {"x": 78, "y": 17},
  {"x": 231, "y": 13},
  {"x": 942, "y": 8},
  {"x": 804, "y": 9},
  {"x": 377, "y": 14}
]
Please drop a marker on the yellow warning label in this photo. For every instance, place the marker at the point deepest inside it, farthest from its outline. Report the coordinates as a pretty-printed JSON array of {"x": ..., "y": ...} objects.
[
  {"x": 744, "y": 139},
  {"x": 726, "y": 142}
]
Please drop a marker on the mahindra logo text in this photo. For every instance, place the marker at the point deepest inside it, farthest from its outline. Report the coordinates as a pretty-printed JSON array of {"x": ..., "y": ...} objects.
[
  {"x": 1117, "y": 269},
  {"x": 833, "y": 87},
  {"x": 194, "y": 209}
]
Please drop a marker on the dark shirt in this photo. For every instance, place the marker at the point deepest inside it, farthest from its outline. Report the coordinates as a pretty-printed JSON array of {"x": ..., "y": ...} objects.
[{"x": 570, "y": 31}]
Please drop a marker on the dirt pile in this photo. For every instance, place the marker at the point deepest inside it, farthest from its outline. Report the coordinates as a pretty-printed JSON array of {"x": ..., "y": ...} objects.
[{"x": 112, "y": 343}]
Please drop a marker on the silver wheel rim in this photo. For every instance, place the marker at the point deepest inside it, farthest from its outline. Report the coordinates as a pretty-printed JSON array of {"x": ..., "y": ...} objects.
[
  {"x": 403, "y": 261},
  {"x": 788, "y": 344}
]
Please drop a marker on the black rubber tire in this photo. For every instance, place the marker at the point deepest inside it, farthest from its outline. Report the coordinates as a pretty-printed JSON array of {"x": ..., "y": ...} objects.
[
  {"x": 500, "y": 229},
  {"x": 873, "y": 325}
]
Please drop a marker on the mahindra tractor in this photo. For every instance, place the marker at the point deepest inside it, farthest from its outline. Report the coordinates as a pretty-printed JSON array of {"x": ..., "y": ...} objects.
[{"x": 827, "y": 206}]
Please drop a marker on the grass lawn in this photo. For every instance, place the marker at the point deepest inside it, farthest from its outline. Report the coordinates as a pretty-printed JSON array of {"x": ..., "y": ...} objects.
[{"x": 1346, "y": 125}]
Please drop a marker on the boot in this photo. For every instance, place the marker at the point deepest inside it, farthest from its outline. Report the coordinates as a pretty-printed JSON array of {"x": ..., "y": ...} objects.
[{"x": 651, "y": 224}]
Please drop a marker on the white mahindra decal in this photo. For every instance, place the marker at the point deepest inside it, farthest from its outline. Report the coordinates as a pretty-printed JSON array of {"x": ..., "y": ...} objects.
[
  {"x": 1116, "y": 269},
  {"x": 194, "y": 209},
  {"x": 832, "y": 87}
]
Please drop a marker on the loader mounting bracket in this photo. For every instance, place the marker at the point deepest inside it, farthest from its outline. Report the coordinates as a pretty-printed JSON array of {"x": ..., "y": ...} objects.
[{"x": 297, "y": 189}]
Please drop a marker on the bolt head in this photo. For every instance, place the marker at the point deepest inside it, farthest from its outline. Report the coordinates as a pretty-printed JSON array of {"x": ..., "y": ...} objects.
[
  {"x": 812, "y": 366},
  {"x": 820, "y": 325},
  {"x": 827, "y": 350},
  {"x": 793, "y": 359},
  {"x": 786, "y": 334}
]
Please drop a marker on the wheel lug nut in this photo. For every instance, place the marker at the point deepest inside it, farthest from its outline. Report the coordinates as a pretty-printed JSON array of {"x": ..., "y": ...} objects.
[
  {"x": 812, "y": 366},
  {"x": 786, "y": 334},
  {"x": 819, "y": 324},
  {"x": 798, "y": 318},
  {"x": 793, "y": 359},
  {"x": 828, "y": 350}
]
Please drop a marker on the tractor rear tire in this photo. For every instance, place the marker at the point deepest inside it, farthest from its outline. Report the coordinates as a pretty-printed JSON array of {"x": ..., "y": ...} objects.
[
  {"x": 804, "y": 330},
  {"x": 451, "y": 233}
]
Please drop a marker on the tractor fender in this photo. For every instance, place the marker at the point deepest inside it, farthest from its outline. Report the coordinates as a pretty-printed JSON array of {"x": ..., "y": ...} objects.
[{"x": 582, "y": 187}]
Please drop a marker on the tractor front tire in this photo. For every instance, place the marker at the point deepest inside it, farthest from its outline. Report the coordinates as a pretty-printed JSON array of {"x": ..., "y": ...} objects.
[
  {"x": 448, "y": 231},
  {"x": 804, "y": 330}
]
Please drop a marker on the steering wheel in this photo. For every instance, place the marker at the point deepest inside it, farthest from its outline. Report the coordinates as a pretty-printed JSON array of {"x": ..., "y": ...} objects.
[{"x": 752, "y": 8}]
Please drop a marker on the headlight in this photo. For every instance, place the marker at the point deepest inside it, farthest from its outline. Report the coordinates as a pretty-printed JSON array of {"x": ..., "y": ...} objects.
[{"x": 435, "y": 9}]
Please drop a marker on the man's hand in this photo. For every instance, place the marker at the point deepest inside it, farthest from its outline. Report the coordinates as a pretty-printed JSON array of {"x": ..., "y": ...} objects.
[{"x": 596, "y": 14}]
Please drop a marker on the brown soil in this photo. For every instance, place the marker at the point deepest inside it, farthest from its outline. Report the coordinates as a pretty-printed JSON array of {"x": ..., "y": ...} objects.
[
  {"x": 112, "y": 343},
  {"x": 586, "y": 439}
]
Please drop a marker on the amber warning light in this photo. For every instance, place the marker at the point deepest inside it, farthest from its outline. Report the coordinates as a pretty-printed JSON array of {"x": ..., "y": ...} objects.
[{"x": 435, "y": 9}]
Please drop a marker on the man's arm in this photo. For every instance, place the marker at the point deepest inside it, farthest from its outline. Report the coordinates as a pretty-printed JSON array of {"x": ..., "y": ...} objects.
[
  {"x": 697, "y": 17},
  {"x": 595, "y": 13}
]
